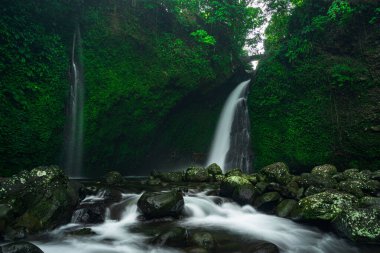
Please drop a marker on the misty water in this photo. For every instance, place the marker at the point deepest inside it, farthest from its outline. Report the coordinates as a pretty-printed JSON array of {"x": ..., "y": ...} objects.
[{"x": 241, "y": 224}]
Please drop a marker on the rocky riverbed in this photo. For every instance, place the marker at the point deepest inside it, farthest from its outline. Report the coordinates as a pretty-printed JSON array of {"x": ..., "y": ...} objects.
[{"x": 196, "y": 210}]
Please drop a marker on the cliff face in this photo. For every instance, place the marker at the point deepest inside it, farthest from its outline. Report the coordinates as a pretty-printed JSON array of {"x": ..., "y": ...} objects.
[
  {"x": 319, "y": 102},
  {"x": 140, "y": 58}
]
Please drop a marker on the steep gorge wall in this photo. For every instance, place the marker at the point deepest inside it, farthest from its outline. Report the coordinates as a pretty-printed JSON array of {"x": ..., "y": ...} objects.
[
  {"x": 139, "y": 62},
  {"x": 323, "y": 105}
]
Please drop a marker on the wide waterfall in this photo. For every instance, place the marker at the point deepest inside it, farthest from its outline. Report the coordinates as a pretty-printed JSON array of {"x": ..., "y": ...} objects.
[
  {"x": 230, "y": 147},
  {"x": 74, "y": 124}
]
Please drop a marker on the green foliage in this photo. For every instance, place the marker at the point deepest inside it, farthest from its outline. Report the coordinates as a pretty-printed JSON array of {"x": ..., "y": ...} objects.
[
  {"x": 203, "y": 37},
  {"x": 340, "y": 11},
  {"x": 298, "y": 48}
]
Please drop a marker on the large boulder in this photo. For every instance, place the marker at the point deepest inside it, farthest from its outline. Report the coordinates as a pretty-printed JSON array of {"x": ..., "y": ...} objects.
[
  {"x": 317, "y": 180},
  {"x": 326, "y": 170},
  {"x": 277, "y": 172},
  {"x": 325, "y": 206},
  {"x": 172, "y": 177},
  {"x": 359, "y": 225},
  {"x": 229, "y": 184},
  {"x": 161, "y": 204},
  {"x": 268, "y": 201},
  {"x": 37, "y": 200},
  {"x": 114, "y": 178},
  {"x": 285, "y": 208},
  {"x": 20, "y": 247},
  {"x": 90, "y": 213},
  {"x": 175, "y": 237},
  {"x": 197, "y": 174},
  {"x": 234, "y": 172},
  {"x": 244, "y": 194},
  {"x": 214, "y": 170}
]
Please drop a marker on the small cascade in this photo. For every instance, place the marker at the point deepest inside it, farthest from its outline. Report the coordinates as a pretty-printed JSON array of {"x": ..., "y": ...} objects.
[
  {"x": 74, "y": 124},
  {"x": 230, "y": 147}
]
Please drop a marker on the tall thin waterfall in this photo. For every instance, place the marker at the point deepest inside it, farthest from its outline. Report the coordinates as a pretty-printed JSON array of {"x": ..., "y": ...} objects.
[
  {"x": 74, "y": 125},
  {"x": 225, "y": 150}
]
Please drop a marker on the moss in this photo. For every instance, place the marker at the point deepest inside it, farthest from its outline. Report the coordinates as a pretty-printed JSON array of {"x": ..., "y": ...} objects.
[
  {"x": 361, "y": 225},
  {"x": 326, "y": 205}
]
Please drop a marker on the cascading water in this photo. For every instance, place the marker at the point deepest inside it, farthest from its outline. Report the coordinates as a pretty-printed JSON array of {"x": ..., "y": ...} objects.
[
  {"x": 201, "y": 211},
  {"x": 74, "y": 125},
  {"x": 230, "y": 147}
]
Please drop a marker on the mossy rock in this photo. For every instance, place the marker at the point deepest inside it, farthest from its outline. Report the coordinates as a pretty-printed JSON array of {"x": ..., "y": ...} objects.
[
  {"x": 218, "y": 178},
  {"x": 172, "y": 177},
  {"x": 114, "y": 178},
  {"x": 244, "y": 194},
  {"x": 175, "y": 237},
  {"x": 197, "y": 174},
  {"x": 234, "y": 172},
  {"x": 314, "y": 190},
  {"x": 285, "y": 208},
  {"x": 373, "y": 202},
  {"x": 229, "y": 184},
  {"x": 317, "y": 180},
  {"x": 203, "y": 240},
  {"x": 253, "y": 178},
  {"x": 355, "y": 174},
  {"x": 161, "y": 204},
  {"x": 261, "y": 187},
  {"x": 214, "y": 169},
  {"x": 359, "y": 225},
  {"x": 38, "y": 200},
  {"x": 326, "y": 205},
  {"x": 277, "y": 172},
  {"x": 20, "y": 247},
  {"x": 268, "y": 201},
  {"x": 353, "y": 187},
  {"x": 326, "y": 170}
]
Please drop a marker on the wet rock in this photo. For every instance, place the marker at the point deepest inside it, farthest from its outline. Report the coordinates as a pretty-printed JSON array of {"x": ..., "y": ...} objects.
[
  {"x": 114, "y": 178},
  {"x": 285, "y": 208},
  {"x": 355, "y": 174},
  {"x": 153, "y": 181},
  {"x": 176, "y": 237},
  {"x": 261, "y": 247},
  {"x": 214, "y": 170},
  {"x": 218, "y": 178},
  {"x": 313, "y": 190},
  {"x": 111, "y": 196},
  {"x": 161, "y": 204},
  {"x": 352, "y": 187},
  {"x": 234, "y": 172},
  {"x": 82, "y": 232},
  {"x": 38, "y": 200},
  {"x": 244, "y": 194},
  {"x": 229, "y": 184},
  {"x": 91, "y": 213},
  {"x": 375, "y": 175},
  {"x": 196, "y": 174},
  {"x": 292, "y": 190},
  {"x": 306, "y": 180},
  {"x": 172, "y": 177},
  {"x": 253, "y": 178},
  {"x": 373, "y": 202},
  {"x": 268, "y": 201},
  {"x": 326, "y": 205},
  {"x": 326, "y": 170},
  {"x": 261, "y": 187},
  {"x": 203, "y": 240},
  {"x": 20, "y": 247},
  {"x": 277, "y": 172},
  {"x": 359, "y": 225}
]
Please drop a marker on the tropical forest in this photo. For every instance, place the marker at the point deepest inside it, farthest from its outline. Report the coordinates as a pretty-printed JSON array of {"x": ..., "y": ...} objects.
[{"x": 190, "y": 126}]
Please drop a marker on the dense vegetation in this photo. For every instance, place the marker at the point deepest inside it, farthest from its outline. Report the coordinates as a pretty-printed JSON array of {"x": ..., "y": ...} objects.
[
  {"x": 315, "y": 95},
  {"x": 140, "y": 59}
]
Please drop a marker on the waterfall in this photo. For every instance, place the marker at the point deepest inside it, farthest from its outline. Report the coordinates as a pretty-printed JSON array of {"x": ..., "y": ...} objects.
[
  {"x": 230, "y": 147},
  {"x": 74, "y": 124}
]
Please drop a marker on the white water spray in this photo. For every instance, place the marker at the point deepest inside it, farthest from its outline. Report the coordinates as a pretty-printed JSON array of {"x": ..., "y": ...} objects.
[{"x": 222, "y": 138}]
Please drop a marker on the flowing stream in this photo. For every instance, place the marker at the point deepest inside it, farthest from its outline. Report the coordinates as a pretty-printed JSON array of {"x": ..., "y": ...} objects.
[
  {"x": 201, "y": 211},
  {"x": 222, "y": 139},
  {"x": 74, "y": 126}
]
